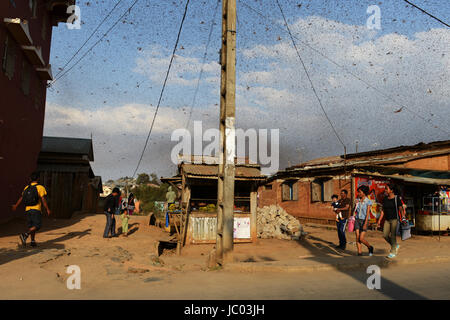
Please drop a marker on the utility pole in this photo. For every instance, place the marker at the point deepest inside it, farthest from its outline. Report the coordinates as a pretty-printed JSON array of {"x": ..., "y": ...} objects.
[{"x": 225, "y": 190}]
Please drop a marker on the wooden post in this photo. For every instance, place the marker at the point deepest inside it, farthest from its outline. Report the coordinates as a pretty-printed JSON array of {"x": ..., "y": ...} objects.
[
  {"x": 253, "y": 213},
  {"x": 225, "y": 195}
]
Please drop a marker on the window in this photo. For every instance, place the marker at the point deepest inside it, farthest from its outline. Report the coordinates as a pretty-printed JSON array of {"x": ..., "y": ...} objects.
[
  {"x": 289, "y": 191},
  {"x": 268, "y": 187},
  {"x": 26, "y": 74},
  {"x": 321, "y": 190},
  {"x": 9, "y": 57},
  {"x": 33, "y": 7}
]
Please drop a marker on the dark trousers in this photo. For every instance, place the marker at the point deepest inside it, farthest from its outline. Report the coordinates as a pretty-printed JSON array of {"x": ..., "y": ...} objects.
[
  {"x": 110, "y": 225},
  {"x": 390, "y": 233},
  {"x": 341, "y": 224}
]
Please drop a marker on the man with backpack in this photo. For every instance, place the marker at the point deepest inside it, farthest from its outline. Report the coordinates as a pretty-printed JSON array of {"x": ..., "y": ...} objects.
[{"x": 33, "y": 197}]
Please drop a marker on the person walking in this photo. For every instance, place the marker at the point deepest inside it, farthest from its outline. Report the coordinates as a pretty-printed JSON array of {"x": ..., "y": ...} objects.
[
  {"x": 33, "y": 197},
  {"x": 110, "y": 209},
  {"x": 343, "y": 209},
  {"x": 362, "y": 212},
  {"x": 391, "y": 207}
]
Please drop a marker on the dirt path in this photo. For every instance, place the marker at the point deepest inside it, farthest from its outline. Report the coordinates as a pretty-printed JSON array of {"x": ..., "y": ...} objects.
[{"x": 127, "y": 268}]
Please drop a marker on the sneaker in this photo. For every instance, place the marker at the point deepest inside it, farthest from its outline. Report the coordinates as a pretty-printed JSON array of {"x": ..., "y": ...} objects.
[
  {"x": 370, "y": 251},
  {"x": 23, "y": 237},
  {"x": 391, "y": 255},
  {"x": 33, "y": 244},
  {"x": 396, "y": 248},
  {"x": 359, "y": 254}
]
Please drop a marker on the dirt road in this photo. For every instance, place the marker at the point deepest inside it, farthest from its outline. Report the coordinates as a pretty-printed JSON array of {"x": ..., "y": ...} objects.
[{"x": 126, "y": 268}]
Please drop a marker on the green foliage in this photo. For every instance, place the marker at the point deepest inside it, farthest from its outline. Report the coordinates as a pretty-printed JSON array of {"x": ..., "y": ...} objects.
[
  {"x": 154, "y": 179},
  {"x": 142, "y": 178},
  {"x": 147, "y": 195}
]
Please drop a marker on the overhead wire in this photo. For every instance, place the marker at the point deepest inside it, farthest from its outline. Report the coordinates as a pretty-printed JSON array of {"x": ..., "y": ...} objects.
[
  {"x": 89, "y": 38},
  {"x": 309, "y": 78},
  {"x": 379, "y": 91},
  {"x": 127, "y": 11},
  {"x": 162, "y": 89},
  {"x": 205, "y": 55},
  {"x": 427, "y": 13}
]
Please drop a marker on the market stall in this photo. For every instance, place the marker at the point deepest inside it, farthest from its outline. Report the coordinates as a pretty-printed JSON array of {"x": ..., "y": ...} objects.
[
  {"x": 425, "y": 194},
  {"x": 199, "y": 193}
]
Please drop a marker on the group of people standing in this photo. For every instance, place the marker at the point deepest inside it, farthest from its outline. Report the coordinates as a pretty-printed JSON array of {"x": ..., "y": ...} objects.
[
  {"x": 115, "y": 205},
  {"x": 392, "y": 213}
]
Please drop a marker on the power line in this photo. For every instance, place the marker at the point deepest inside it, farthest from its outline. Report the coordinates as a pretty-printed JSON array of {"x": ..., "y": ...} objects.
[
  {"x": 309, "y": 78},
  {"x": 89, "y": 38},
  {"x": 429, "y": 14},
  {"x": 203, "y": 63},
  {"x": 127, "y": 11},
  {"x": 379, "y": 91},
  {"x": 163, "y": 88}
]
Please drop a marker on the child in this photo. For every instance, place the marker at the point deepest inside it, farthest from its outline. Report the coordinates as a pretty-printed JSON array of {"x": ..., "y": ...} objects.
[
  {"x": 335, "y": 205},
  {"x": 125, "y": 216}
]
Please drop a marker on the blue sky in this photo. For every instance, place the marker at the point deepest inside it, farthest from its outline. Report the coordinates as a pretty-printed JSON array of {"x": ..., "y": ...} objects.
[{"x": 408, "y": 59}]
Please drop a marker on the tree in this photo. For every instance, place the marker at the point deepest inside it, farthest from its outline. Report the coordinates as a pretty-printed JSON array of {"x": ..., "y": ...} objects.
[
  {"x": 148, "y": 195},
  {"x": 154, "y": 179},
  {"x": 143, "y": 178}
]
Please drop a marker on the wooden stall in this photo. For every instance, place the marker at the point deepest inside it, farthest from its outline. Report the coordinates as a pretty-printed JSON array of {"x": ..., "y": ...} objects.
[{"x": 199, "y": 196}]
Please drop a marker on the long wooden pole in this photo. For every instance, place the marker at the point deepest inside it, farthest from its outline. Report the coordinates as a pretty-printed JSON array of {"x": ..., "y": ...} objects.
[{"x": 225, "y": 195}]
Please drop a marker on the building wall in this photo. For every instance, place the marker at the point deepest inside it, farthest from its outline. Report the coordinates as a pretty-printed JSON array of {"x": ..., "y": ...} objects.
[
  {"x": 21, "y": 115},
  {"x": 67, "y": 191},
  {"x": 432, "y": 163},
  {"x": 308, "y": 210},
  {"x": 304, "y": 207}
]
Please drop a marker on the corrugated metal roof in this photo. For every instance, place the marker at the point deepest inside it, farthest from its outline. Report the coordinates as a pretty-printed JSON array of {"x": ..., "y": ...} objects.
[
  {"x": 397, "y": 153},
  {"x": 68, "y": 145},
  {"x": 408, "y": 174},
  {"x": 417, "y": 147},
  {"x": 212, "y": 170},
  {"x": 62, "y": 168}
]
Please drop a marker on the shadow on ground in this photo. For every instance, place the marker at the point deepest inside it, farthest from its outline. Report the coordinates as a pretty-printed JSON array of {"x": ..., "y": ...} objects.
[
  {"x": 322, "y": 251},
  {"x": 8, "y": 255},
  {"x": 18, "y": 225}
]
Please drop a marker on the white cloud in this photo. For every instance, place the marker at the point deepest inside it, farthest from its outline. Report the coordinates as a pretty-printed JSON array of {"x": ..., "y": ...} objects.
[
  {"x": 276, "y": 94},
  {"x": 155, "y": 61}
]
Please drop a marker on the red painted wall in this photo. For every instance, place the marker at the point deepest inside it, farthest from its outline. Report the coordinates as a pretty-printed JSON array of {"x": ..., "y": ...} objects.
[
  {"x": 303, "y": 207},
  {"x": 21, "y": 116}
]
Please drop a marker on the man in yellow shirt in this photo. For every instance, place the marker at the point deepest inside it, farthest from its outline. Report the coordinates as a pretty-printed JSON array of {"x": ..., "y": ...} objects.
[{"x": 33, "y": 197}]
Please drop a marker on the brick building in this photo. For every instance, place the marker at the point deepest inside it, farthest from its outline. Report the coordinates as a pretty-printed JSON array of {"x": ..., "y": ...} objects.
[
  {"x": 25, "y": 37},
  {"x": 305, "y": 190}
]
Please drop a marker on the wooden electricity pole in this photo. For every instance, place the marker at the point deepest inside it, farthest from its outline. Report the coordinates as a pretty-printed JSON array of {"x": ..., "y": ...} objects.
[{"x": 225, "y": 191}]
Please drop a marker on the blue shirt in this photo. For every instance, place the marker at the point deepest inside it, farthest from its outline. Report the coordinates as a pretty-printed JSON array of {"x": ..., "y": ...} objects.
[{"x": 361, "y": 208}]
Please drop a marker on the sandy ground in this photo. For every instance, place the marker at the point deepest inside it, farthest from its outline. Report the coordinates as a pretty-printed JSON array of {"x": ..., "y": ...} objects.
[{"x": 126, "y": 267}]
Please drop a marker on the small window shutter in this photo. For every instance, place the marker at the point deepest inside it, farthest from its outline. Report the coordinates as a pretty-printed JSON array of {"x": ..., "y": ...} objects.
[
  {"x": 295, "y": 191},
  {"x": 285, "y": 192},
  {"x": 327, "y": 190},
  {"x": 10, "y": 58},
  {"x": 316, "y": 191}
]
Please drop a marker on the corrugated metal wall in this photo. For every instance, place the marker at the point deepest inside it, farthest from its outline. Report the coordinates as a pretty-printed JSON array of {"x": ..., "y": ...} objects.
[
  {"x": 65, "y": 192},
  {"x": 203, "y": 228}
]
